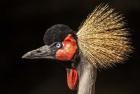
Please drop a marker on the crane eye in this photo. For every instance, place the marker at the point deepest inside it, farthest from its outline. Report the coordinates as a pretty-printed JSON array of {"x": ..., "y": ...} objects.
[{"x": 58, "y": 45}]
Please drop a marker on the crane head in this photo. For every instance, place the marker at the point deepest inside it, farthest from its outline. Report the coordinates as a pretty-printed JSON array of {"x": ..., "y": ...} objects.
[
  {"x": 60, "y": 44},
  {"x": 101, "y": 42}
]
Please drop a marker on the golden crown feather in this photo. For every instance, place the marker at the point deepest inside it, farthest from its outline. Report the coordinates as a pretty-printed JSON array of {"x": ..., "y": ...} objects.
[{"x": 103, "y": 37}]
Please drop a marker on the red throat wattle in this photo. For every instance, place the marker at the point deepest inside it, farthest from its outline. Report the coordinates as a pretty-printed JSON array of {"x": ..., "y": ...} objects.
[
  {"x": 68, "y": 50},
  {"x": 66, "y": 53},
  {"x": 72, "y": 79}
]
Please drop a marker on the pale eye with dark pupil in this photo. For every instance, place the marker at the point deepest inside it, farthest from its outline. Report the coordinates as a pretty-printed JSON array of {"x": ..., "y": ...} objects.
[{"x": 58, "y": 45}]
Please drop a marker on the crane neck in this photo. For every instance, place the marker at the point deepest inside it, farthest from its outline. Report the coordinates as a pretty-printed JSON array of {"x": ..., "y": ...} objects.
[{"x": 87, "y": 77}]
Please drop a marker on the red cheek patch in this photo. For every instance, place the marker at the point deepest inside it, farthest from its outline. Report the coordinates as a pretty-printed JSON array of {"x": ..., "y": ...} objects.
[
  {"x": 68, "y": 50},
  {"x": 72, "y": 79}
]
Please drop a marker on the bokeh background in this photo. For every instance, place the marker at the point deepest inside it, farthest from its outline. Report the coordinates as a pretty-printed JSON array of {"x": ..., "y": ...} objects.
[{"x": 23, "y": 23}]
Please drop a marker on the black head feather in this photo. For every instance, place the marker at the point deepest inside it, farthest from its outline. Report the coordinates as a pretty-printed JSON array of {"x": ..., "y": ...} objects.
[{"x": 57, "y": 33}]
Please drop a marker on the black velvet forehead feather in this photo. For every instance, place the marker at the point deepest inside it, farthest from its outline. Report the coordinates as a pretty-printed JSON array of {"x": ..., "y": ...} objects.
[{"x": 57, "y": 33}]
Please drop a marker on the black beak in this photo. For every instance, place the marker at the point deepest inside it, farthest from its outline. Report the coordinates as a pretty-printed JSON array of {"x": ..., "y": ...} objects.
[{"x": 43, "y": 52}]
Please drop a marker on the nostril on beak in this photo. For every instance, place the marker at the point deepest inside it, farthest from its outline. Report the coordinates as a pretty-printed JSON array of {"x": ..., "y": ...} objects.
[{"x": 38, "y": 51}]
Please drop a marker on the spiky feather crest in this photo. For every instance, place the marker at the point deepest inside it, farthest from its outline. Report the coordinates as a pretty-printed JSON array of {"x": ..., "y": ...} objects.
[{"x": 103, "y": 38}]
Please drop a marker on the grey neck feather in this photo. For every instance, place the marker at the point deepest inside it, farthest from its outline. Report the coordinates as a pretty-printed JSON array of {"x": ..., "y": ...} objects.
[{"x": 87, "y": 75}]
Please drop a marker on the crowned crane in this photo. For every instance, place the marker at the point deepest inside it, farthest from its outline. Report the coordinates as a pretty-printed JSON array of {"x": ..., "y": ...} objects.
[{"x": 101, "y": 41}]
